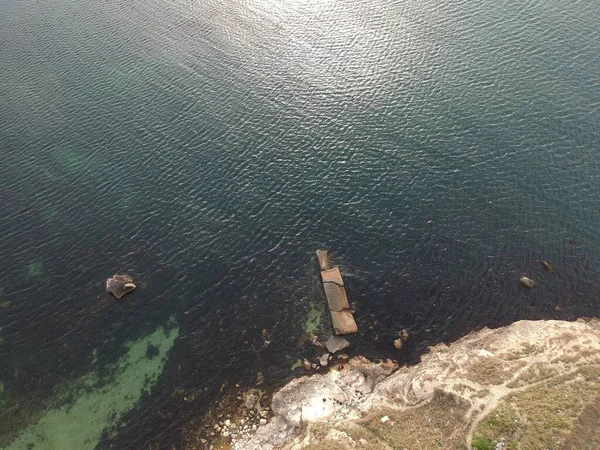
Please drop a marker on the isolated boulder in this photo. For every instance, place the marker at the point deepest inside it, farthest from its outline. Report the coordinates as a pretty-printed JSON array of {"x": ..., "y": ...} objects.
[
  {"x": 119, "y": 285},
  {"x": 527, "y": 282}
]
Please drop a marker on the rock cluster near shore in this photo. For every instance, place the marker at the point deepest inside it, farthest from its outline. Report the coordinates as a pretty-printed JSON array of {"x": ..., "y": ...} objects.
[{"x": 533, "y": 384}]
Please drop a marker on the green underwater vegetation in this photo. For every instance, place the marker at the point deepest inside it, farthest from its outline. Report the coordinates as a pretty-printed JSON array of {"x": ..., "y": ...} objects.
[
  {"x": 314, "y": 318},
  {"x": 71, "y": 159},
  {"x": 34, "y": 270},
  {"x": 96, "y": 408}
]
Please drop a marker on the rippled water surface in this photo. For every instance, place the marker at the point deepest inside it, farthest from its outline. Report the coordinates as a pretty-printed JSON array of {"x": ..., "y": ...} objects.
[{"x": 440, "y": 149}]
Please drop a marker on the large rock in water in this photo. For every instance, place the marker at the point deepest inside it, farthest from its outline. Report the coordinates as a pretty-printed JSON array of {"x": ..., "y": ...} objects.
[
  {"x": 336, "y": 343},
  {"x": 527, "y": 282},
  {"x": 532, "y": 384},
  {"x": 119, "y": 285}
]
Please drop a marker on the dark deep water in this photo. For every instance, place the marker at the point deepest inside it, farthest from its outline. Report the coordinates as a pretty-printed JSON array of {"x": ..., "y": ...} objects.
[{"x": 439, "y": 149}]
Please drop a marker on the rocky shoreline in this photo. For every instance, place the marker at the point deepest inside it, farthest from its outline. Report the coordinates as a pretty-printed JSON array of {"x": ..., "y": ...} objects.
[{"x": 532, "y": 382}]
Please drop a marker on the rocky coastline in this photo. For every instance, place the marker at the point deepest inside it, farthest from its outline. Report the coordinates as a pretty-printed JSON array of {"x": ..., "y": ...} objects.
[{"x": 532, "y": 384}]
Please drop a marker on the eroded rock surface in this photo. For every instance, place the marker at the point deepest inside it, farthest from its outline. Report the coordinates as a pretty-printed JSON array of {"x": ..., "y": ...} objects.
[{"x": 533, "y": 384}]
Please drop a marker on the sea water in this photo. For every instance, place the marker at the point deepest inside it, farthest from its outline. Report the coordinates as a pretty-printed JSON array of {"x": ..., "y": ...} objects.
[{"x": 439, "y": 149}]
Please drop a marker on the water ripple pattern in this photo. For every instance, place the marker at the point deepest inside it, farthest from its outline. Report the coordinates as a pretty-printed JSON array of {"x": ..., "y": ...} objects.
[{"x": 440, "y": 149}]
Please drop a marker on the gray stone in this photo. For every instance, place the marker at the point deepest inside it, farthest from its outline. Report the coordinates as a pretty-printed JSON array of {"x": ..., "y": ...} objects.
[
  {"x": 252, "y": 399},
  {"x": 336, "y": 343}
]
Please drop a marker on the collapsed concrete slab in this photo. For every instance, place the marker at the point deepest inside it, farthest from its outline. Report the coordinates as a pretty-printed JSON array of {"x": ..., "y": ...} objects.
[
  {"x": 336, "y": 297},
  {"x": 332, "y": 275},
  {"x": 322, "y": 259},
  {"x": 341, "y": 317},
  {"x": 343, "y": 322}
]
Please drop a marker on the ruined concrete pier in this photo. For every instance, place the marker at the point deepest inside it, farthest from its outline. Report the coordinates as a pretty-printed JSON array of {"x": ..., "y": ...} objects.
[{"x": 333, "y": 285}]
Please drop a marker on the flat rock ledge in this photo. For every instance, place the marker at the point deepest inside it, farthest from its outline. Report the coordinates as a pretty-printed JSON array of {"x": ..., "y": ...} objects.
[{"x": 532, "y": 384}]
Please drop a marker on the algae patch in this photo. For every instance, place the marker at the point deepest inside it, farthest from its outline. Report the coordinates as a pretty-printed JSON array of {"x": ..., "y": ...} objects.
[
  {"x": 34, "y": 270},
  {"x": 297, "y": 364},
  {"x": 98, "y": 407},
  {"x": 73, "y": 160},
  {"x": 313, "y": 319}
]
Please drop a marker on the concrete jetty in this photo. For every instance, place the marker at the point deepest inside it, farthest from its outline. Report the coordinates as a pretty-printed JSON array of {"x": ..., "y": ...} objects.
[{"x": 339, "y": 307}]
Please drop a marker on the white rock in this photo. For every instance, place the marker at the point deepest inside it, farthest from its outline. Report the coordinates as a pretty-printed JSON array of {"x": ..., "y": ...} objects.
[{"x": 527, "y": 282}]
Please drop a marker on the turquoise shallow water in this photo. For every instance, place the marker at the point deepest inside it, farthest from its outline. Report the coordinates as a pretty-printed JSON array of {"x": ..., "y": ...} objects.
[{"x": 439, "y": 149}]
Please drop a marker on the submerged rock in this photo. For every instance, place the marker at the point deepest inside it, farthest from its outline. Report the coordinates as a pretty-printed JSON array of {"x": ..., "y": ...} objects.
[
  {"x": 35, "y": 270},
  {"x": 152, "y": 351},
  {"x": 527, "y": 282},
  {"x": 322, "y": 259},
  {"x": 119, "y": 285},
  {"x": 260, "y": 378},
  {"x": 5, "y": 304}
]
